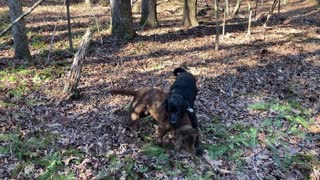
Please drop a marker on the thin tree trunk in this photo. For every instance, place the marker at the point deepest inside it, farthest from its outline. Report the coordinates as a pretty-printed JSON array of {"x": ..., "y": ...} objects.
[
  {"x": 121, "y": 21},
  {"x": 237, "y": 8},
  {"x": 227, "y": 7},
  {"x": 279, "y": 6},
  {"x": 19, "y": 31},
  {"x": 250, "y": 17},
  {"x": 216, "y": 11},
  {"x": 255, "y": 10},
  {"x": 270, "y": 12},
  {"x": 190, "y": 13},
  {"x": 71, "y": 83},
  {"x": 69, "y": 26},
  {"x": 224, "y": 23},
  {"x": 149, "y": 13}
]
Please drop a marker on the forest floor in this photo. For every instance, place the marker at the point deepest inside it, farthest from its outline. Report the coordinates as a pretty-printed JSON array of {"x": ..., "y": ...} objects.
[{"x": 258, "y": 104}]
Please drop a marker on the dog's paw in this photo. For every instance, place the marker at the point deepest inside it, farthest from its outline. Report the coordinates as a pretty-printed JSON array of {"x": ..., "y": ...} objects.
[{"x": 199, "y": 151}]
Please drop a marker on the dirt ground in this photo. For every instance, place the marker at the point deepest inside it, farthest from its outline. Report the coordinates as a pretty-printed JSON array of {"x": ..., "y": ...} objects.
[{"x": 258, "y": 104}]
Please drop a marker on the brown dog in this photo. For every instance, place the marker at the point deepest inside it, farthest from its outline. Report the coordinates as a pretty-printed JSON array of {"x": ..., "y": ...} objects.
[{"x": 151, "y": 101}]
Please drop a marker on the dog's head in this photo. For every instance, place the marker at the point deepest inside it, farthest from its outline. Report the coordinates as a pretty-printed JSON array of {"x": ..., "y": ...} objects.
[
  {"x": 186, "y": 138},
  {"x": 176, "y": 107}
]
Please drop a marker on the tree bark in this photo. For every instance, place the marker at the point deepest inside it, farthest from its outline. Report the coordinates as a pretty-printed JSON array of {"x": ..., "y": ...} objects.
[
  {"x": 250, "y": 17},
  {"x": 224, "y": 23},
  {"x": 227, "y": 7},
  {"x": 71, "y": 83},
  {"x": 216, "y": 11},
  {"x": 19, "y": 31},
  {"x": 236, "y": 8},
  {"x": 190, "y": 13},
  {"x": 149, "y": 13},
  {"x": 121, "y": 20},
  {"x": 270, "y": 12},
  {"x": 20, "y": 17},
  {"x": 69, "y": 26}
]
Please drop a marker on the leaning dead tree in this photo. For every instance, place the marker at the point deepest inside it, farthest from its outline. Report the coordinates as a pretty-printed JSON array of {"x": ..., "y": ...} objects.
[{"x": 71, "y": 83}]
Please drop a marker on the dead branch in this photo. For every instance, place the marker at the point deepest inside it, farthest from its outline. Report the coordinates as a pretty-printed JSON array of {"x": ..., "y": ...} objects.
[
  {"x": 20, "y": 17},
  {"x": 71, "y": 83},
  {"x": 217, "y": 169}
]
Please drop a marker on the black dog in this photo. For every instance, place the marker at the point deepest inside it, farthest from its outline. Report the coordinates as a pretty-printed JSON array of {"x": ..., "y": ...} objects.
[{"x": 181, "y": 99}]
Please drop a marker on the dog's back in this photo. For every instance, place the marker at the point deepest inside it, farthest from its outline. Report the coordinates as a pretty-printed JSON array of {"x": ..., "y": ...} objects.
[
  {"x": 145, "y": 101},
  {"x": 185, "y": 85}
]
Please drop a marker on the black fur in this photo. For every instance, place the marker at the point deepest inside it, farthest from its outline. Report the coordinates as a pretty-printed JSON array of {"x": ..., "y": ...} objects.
[{"x": 182, "y": 95}]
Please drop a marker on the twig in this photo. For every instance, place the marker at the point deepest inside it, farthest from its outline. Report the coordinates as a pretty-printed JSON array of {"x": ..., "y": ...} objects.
[
  {"x": 54, "y": 33},
  {"x": 97, "y": 23},
  {"x": 217, "y": 169},
  {"x": 254, "y": 165},
  {"x": 20, "y": 17}
]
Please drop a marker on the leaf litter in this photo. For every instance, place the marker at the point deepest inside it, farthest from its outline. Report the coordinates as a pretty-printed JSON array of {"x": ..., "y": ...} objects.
[{"x": 258, "y": 105}]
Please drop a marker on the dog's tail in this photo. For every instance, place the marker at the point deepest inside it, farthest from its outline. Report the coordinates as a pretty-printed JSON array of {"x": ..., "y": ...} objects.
[
  {"x": 126, "y": 92},
  {"x": 179, "y": 70}
]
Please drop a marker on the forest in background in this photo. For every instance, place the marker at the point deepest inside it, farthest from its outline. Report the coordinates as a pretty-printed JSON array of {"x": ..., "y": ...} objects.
[{"x": 258, "y": 101}]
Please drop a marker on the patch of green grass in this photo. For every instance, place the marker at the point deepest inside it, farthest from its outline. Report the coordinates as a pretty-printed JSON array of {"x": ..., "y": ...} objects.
[
  {"x": 157, "y": 67},
  {"x": 6, "y": 104},
  {"x": 290, "y": 111},
  {"x": 20, "y": 90},
  {"x": 126, "y": 166},
  {"x": 33, "y": 152},
  {"x": 260, "y": 106},
  {"x": 153, "y": 150},
  {"x": 18, "y": 79},
  {"x": 36, "y": 42},
  {"x": 289, "y": 119},
  {"x": 232, "y": 142}
]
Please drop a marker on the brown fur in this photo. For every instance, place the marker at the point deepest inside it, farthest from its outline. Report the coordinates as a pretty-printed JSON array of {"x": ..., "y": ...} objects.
[{"x": 151, "y": 101}]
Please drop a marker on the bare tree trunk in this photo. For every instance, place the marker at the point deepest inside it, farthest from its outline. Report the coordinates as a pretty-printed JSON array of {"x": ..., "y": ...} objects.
[
  {"x": 224, "y": 23},
  {"x": 19, "y": 31},
  {"x": 190, "y": 13},
  {"x": 270, "y": 12},
  {"x": 250, "y": 17},
  {"x": 237, "y": 7},
  {"x": 71, "y": 83},
  {"x": 121, "y": 22},
  {"x": 87, "y": 2},
  {"x": 149, "y": 13},
  {"x": 69, "y": 26},
  {"x": 227, "y": 7},
  {"x": 216, "y": 11},
  {"x": 255, "y": 10}
]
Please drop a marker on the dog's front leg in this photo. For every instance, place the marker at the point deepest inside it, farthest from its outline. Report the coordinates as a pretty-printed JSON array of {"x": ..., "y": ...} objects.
[{"x": 162, "y": 131}]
